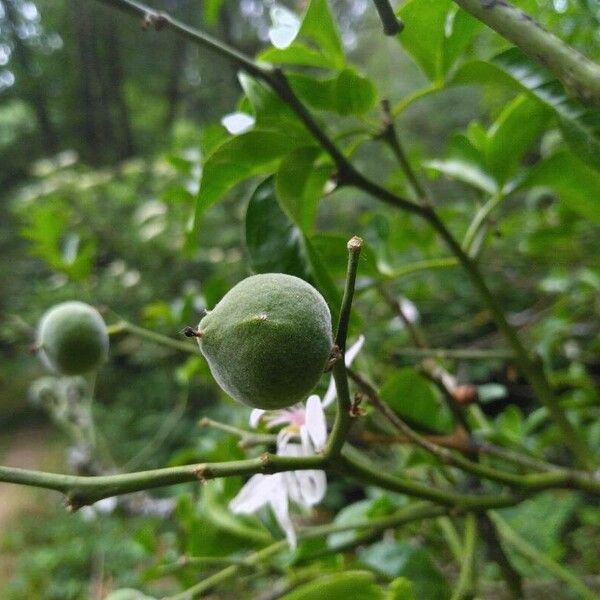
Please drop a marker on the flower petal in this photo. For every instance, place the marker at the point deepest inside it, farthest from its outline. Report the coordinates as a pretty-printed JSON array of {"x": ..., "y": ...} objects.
[
  {"x": 354, "y": 350},
  {"x": 313, "y": 485},
  {"x": 316, "y": 425},
  {"x": 255, "y": 494},
  {"x": 255, "y": 417},
  {"x": 349, "y": 357},
  {"x": 279, "y": 504}
]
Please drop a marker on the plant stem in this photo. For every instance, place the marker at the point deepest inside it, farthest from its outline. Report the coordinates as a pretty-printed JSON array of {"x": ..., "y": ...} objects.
[
  {"x": 478, "y": 222},
  {"x": 390, "y": 136},
  {"x": 446, "y": 456},
  {"x": 580, "y": 75},
  {"x": 533, "y": 554},
  {"x": 464, "y": 586},
  {"x": 532, "y": 371},
  {"x": 414, "y": 512},
  {"x": 161, "y": 20},
  {"x": 391, "y": 24},
  {"x": 152, "y": 336},
  {"x": 419, "y": 265},
  {"x": 455, "y": 354},
  {"x": 410, "y": 99},
  {"x": 343, "y": 418}
]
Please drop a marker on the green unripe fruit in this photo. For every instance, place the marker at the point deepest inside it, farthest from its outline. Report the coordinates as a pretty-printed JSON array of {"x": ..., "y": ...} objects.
[
  {"x": 72, "y": 338},
  {"x": 268, "y": 340}
]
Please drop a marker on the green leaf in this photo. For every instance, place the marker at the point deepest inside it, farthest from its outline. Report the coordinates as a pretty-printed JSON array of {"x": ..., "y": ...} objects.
[
  {"x": 210, "y": 10},
  {"x": 401, "y": 589},
  {"x": 358, "y": 511},
  {"x": 347, "y": 93},
  {"x": 274, "y": 243},
  {"x": 353, "y": 94},
  {"x": 323, "y": 280},
  {"x": 358, "y": 585},
  {"x": 332, "y": 247},
  {"x": 575, "y": 183},
  {"x": 299, "y": 183},
  {"x": 512, "y": 134},
  {"x": 435, "y": 34},
  {"x": 466, "y": 163},
  {"x": 415, "y": 399},
  {"x": 317, "y": 29},
  {"x": 238, "y": 158},
  {"x": 580, "y": 125},
  {"x": 399, "y": 559}
]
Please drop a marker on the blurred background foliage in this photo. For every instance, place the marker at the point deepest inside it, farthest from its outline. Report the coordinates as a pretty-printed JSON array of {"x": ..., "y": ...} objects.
[{"x": 104, "y": 129}]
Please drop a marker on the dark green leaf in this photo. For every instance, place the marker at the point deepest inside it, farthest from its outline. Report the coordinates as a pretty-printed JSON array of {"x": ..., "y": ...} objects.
[
  {"x": 415, "y": 399},
  {"x": 299, "y": 184},
  {"x": 274, "y": 243}
]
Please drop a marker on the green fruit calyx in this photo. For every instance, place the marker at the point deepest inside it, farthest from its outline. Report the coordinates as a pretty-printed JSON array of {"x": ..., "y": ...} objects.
[
  {"x": 268, "y": 340},
  {"x": 72, "y": 338}
]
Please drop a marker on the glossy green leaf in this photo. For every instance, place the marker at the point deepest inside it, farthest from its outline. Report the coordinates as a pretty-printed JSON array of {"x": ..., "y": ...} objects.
[
  {"x": 399, "y": 559},
  {"x": 415, "y": 399},
  {"x": 299, "y": 183},
  {"x": 274, "y": 243},
  {"x": 318, "y": 43},
  {"x": 435, "y": 34},
  {"x": 238, "y": 158},
  {"x": 577, "y": 185},
  {"x": 358, "y": 585},
  {"x": 512, "y": 134},
  {"x": 271, "y": 112},
  {"x": 580, "y": 125}
]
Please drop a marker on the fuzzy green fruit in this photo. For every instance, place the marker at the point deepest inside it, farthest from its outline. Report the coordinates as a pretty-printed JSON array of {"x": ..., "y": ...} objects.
[
  {"x": 72, "y": 338},
  {"x": 268, "y": 340}
]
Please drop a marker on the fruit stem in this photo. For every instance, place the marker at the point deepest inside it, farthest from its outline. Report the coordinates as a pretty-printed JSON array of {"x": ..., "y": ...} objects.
[{"x": 343, "y": 419}]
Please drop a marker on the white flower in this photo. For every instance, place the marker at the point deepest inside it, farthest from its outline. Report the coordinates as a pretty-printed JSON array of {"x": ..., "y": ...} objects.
[{"x": 304, "y": 488}]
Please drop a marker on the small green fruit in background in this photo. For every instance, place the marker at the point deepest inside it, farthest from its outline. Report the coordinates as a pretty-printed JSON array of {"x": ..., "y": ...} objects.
[
  {"x": 72, "y": 338},
  {"x": 268, "y": 340}
]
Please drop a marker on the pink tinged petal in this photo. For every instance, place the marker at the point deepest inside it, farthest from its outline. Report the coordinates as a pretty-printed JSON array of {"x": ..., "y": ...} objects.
[
  {"x": 255, "y": 494},
  {"x": 316, "y": 425},
  {"x": 281, "y": 417},
  {"x": 255, "y": 417}
]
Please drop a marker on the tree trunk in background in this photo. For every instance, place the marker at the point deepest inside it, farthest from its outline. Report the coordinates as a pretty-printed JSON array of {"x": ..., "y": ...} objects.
[
  {"x": 31, "y": 86},
  {"x": 91, "y": 125},
  {"x": 173, "y": 90},
  {"x": 114, "y": 86}
]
